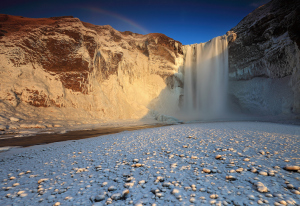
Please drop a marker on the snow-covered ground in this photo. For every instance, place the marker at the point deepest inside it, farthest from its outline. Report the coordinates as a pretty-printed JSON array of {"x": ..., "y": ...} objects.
[{"x": 225, "y": 163}]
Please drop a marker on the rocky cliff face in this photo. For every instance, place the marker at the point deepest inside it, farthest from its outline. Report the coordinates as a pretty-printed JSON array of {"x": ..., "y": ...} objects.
[
  {"x": 264, "y": 65},
  {"x": 62, "y": 68}
]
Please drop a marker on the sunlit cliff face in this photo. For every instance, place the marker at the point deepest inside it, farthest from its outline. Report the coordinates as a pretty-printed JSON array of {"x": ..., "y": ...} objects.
[{"x": 59, "y": 67}]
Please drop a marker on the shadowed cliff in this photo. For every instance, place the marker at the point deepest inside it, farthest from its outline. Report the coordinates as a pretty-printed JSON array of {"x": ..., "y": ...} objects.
[{"x": 264, "y": 59}]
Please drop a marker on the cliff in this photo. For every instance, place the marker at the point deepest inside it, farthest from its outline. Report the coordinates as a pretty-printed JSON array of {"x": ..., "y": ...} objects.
[
  {"x": 264, "y": 65},
  {"x": 63, "y": 69}
]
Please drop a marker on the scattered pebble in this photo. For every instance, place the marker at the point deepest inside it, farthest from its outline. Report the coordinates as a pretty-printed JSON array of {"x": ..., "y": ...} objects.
[
  {"x": 14, "y": 119},
  {"x": 214, "y": 196},
  {"x": 206, "y": 170},
  {"x": 261, "y": 187},
  {"x": 263, "y": 173},
  {"x": 230, "y": 177},
  {"x": 148, "y": 168},
  {"x": 292, "y": 168}
]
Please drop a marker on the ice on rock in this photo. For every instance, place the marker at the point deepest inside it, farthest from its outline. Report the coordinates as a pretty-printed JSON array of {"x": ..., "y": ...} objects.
[
  {"x": 142, "y": 182},
  {"x": 79, "y": 170},
  {"x": 176, "y": 193},
  {"x": 116, "y": 196},
  {"x": 251, "y": 197},
  {"x": 100, "y": 197},
  {"x": 129, "y": 184},
  {"x": 109, "y": 201},
  {"x": 192, "y": 200},
  {"x": 104, "y": 184},
  {"x": 112, "y": 188}
]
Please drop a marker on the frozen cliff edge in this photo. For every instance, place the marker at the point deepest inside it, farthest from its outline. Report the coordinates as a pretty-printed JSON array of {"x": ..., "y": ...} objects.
[
  {"x": 58, "y": 69},
  {"x": 264, "y": 60}
]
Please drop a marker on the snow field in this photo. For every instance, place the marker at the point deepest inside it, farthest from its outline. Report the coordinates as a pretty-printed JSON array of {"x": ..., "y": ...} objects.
[{"x": 225, "y": 163}]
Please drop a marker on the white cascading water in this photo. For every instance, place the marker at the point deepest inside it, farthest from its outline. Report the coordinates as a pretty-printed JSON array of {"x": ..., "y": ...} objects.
[{"x": 205, "y": 79}]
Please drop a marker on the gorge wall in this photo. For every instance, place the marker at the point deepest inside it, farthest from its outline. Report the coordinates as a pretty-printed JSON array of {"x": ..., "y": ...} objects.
[
  {"x": 63, "y": 69},
  {"x": 264, "y": 65}
]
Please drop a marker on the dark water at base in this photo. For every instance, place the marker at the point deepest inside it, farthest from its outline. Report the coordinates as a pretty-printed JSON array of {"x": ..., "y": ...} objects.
[{"x": 70, "y": 135}]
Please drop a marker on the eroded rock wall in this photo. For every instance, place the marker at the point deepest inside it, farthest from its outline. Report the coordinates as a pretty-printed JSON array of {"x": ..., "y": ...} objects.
[
  {"x": 63, "y": 68},
  {"x": 264, "y": 55}
]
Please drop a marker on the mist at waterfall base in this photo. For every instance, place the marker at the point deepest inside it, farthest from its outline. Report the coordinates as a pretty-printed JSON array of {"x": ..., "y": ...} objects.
[{"x": 206, "y": 80}]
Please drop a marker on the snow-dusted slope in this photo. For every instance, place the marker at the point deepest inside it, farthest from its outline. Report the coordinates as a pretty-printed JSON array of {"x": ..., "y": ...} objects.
[{"x": 63, "y": 69}]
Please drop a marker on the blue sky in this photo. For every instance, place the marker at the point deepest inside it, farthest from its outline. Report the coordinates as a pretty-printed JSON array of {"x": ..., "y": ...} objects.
[{"x": 188, "y": 21}]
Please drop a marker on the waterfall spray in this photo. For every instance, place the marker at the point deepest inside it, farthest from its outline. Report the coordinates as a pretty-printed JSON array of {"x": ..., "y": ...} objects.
[{"x": 205, "y": 78}]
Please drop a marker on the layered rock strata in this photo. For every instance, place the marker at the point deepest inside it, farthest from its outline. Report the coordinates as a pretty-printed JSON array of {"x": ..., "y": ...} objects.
[{"x": 62, "y": 68}]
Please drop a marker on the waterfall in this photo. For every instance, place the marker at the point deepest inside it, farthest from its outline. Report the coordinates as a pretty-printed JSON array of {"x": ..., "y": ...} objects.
[{"x": 205, "y": 78}]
